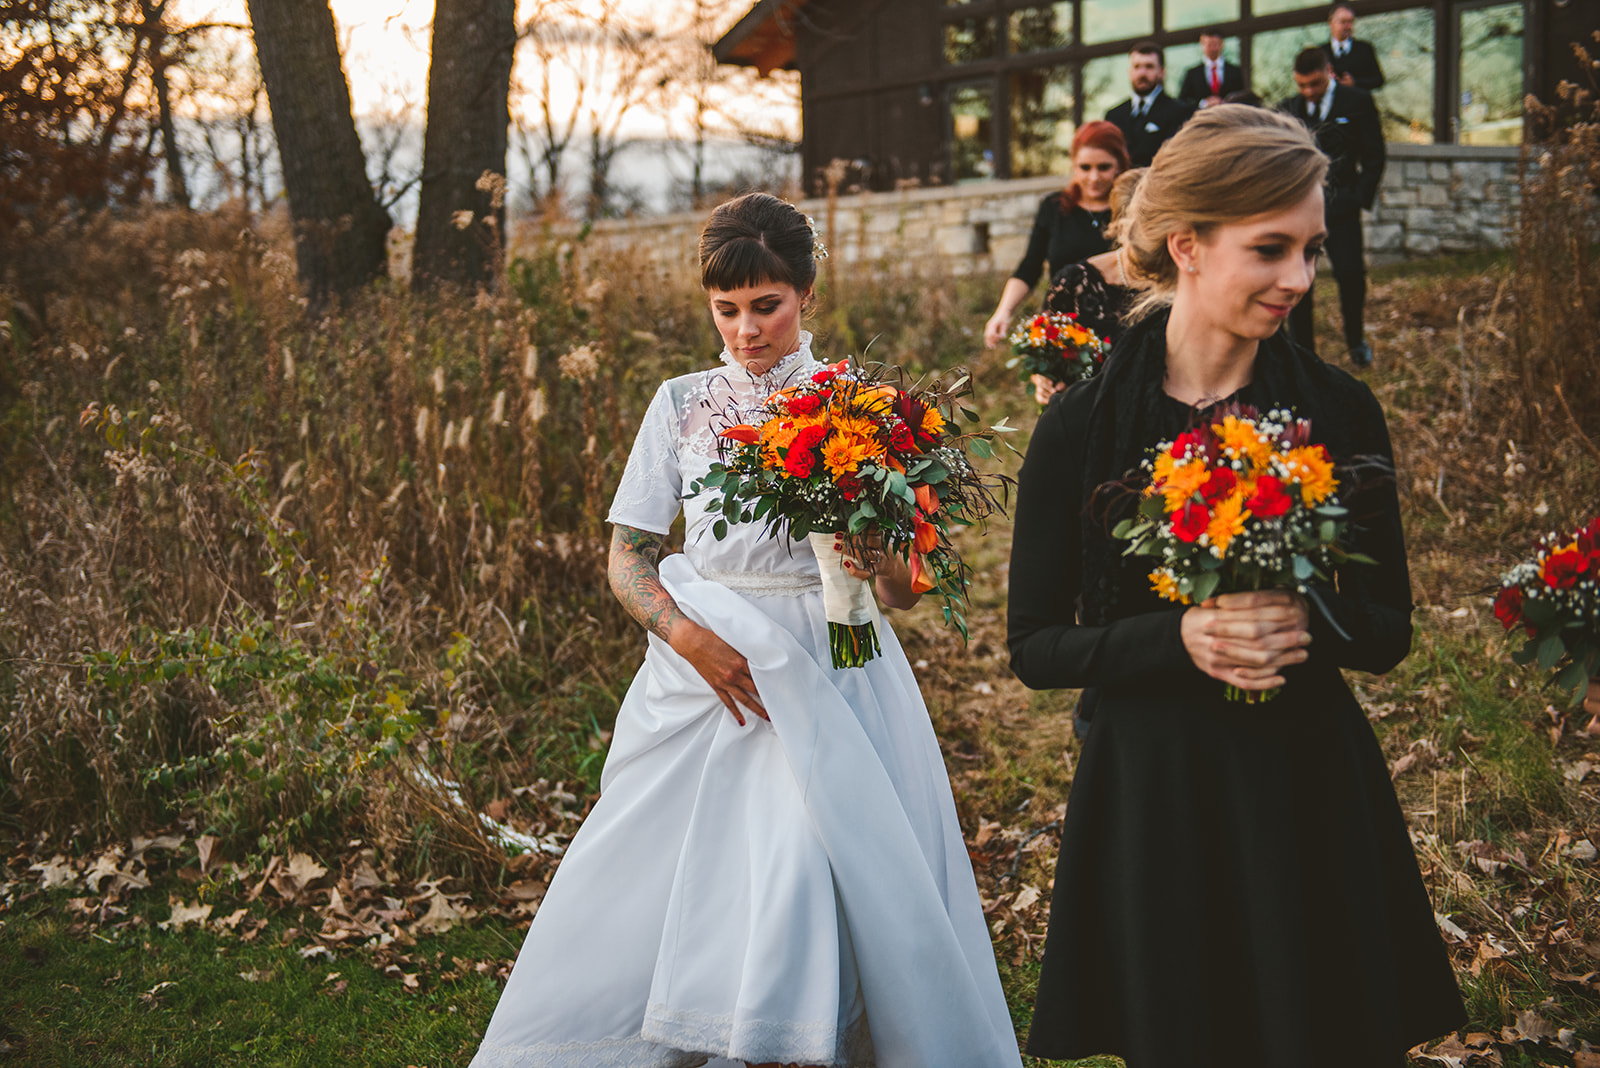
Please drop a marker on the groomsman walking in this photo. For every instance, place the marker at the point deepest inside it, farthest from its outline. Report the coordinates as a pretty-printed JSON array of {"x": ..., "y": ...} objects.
[
  {"x": 1345, "y": 123},
  {"x": 1355, "y": 63},
  {"x": 1207, "y": 82},
  {"x": 1150, "y": 116}
]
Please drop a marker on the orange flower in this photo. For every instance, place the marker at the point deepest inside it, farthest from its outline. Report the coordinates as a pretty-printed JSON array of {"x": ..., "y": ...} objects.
[
  {"x": 927, "y": 498},
  {"x": 1241, "y": 441},
  {"x": 932, "y": 422},
  {"x": 926, "y": 538},
  {"x": 1227, "y": 521},
  {"x": 743, "y": 432},
  {"x": 1310, "y": 467},
  {"x": 844, "y": 452},
  {"x": 921, "y": 581},
  {"x": 1165, "y": 583},
  {"x": 1185, "y": 480}
]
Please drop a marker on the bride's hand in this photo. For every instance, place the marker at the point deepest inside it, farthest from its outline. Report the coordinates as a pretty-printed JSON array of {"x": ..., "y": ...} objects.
[
  {"x": 1247, "y": 639},
  {"x": 721, "y": 665},
  {"x": 893, "y": 574},
  {"x": 1045, "y": 388}
]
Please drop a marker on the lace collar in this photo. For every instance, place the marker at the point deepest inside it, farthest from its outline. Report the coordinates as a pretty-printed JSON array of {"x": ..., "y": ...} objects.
[{"x": 779, "y": 374}]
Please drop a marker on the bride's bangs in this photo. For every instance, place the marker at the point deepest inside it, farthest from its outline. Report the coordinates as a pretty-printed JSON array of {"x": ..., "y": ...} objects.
[{"x": 744, "y": 262}]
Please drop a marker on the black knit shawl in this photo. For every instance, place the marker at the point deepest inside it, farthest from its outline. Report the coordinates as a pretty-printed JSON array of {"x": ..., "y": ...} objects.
[{"x": 1122, "y": 427}]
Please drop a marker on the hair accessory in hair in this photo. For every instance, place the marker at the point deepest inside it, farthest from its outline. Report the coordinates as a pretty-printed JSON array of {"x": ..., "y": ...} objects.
[{"x": 818, "y": 249}]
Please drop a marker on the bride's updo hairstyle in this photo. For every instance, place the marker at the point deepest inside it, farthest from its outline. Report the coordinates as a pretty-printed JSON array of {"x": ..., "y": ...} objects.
[
  {"x": 754, "y": 240},
  {"x": 1226, "y": 164}
]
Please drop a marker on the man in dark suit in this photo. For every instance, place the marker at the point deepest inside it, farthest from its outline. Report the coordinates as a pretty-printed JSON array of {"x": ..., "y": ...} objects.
[
  {"x": 1207, "y": 82},
  {"x": 1150, "y": 116},
  {"x": 1355, "y": 63},
  {"x": 1344, "y": 121}
]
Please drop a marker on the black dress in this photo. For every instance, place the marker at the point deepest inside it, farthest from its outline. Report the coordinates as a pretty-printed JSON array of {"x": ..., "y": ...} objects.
[
  {"x": 1236, "y": 886},
  {"x": 1079, "y": 289},
  {"x": 1060, "y": 237}
]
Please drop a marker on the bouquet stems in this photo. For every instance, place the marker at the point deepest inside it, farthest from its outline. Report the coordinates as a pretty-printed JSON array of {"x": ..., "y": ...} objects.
[
  {"x": 847, "y": 603},
  {"x": 1251, "y": 697}
]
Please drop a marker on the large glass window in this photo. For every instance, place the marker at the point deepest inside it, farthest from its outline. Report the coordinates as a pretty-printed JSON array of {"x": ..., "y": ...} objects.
[
  {"x": 1272, "y": 59},
  {"x": 969, "y": 40},
  {"x": 1272, "y": 7},
  {"x": 1041, "y": 122},
  {"x": 1404, "y": 43},
  {"x": 971, "y": 132},
  {"x": 1489, "y": 78},
  {"x": 1105, "y": 85},
  {"x": 1040, "y": 29},
  {"x": 1114, "y": 20},
  {"x": 1194, "y": 14}
]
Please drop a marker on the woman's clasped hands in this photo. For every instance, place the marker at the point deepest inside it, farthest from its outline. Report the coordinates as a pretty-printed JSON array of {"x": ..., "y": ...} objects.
[{"x": 1247, "y": 639}]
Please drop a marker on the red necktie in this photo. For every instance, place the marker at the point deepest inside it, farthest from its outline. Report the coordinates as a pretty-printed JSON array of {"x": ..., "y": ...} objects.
[{"x": 1216, "y": 80}]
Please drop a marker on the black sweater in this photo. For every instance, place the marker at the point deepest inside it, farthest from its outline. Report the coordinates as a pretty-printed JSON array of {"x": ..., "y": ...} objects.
[{"x": 1061, "y": 237}]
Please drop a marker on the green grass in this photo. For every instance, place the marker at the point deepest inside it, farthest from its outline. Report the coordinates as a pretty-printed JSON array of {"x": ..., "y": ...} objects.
[{"x": 78, "y": 997}]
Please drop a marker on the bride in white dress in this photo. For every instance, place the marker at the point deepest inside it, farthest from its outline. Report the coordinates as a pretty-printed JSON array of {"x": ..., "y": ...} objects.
[{"x": 773, "y": 873}]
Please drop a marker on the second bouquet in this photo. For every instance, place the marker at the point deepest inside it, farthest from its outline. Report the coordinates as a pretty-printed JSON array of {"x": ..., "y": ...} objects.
[{"x": 850, "y": 452}]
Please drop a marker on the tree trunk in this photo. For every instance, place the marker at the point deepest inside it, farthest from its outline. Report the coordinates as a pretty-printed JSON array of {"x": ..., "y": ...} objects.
[
  {"x": 340, "y": 231},
  {"x": 460, "y": 219}
]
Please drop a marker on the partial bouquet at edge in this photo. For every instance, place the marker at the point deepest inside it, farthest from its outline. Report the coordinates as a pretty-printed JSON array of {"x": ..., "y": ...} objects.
[
  {"x": 1243, "y": 501},
  {"x": 1056, "y": 346},
  {"x": 1555, "y": 599},
  {"x": 850, "y": 452}
]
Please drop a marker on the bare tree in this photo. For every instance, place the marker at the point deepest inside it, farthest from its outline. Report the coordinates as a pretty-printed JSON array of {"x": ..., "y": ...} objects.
[
  {"x": 592, "y": 67},
  {"x": 340, "y": 230},
  {"x": 460, "y": 219}
]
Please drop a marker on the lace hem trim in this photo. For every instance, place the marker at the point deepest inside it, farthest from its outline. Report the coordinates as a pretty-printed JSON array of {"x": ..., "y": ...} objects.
[
  {"x": 761, "y": 1041},
  {"x": 766, "y": 583},
  {"x": 605, "y": 1053}
]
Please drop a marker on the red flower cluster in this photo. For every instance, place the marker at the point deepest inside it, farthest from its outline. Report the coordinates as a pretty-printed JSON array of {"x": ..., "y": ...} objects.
[
  {"x": 1555, "y": 598},
  {"x": 1557, "y": 566}
]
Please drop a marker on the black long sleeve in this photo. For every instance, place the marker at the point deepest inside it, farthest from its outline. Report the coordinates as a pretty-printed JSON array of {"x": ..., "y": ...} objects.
[
  {"x": 1050, "y": 649},
  {"x": 1371, "y": 603}
]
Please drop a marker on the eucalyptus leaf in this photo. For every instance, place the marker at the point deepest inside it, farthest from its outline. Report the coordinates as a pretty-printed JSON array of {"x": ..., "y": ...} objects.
[
  {"x": 981, "y": 448},
  {"x": 1550, "y": 650},
  {"x": 1303, "y": 569},
  {"x": 719, "y": 529},
  {"x": 1205, "y": 584}
]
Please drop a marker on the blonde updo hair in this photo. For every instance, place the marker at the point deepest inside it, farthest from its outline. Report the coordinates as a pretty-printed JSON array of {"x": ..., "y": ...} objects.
[{"x": 1228, "y": 163}]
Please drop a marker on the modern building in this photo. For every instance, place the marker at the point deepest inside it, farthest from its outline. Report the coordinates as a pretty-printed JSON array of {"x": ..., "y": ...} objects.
[{"x": 934, "y": 92}]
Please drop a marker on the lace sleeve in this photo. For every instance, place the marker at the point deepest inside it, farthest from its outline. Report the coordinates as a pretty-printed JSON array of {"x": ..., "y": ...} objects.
[{"x": 650, "y": 494}]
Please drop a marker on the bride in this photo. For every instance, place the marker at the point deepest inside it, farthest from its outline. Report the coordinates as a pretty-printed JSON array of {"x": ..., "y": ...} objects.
[{"x": 773, "y": 873}]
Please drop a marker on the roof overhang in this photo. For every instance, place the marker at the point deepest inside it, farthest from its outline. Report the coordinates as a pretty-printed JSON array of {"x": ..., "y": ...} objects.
[{"x": 763, "y": 39}]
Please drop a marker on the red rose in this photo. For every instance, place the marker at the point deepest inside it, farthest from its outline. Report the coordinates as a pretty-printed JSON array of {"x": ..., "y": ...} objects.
[
  {"x": 1221, "y": 483},
  {"x": 1508, "y": 606},
  {"x": 804, "y": 404},
  {"x": 1185, "y": 441},
  {"x": 1269, "y": 500},
  {"x": 799, "y": 462},
  {"x": 1563, "y": 568},
  {"x": 808, "y": 438},
  {"x": 1190, "y": 521},
  {"x": 822, "y": 377},
  {"x": 849, "y": 485},
  {"x": 901, "y": 439}
]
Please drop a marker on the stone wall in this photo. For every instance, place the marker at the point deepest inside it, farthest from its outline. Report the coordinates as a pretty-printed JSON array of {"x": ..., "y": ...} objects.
[{"x": 1434, "y": 199}]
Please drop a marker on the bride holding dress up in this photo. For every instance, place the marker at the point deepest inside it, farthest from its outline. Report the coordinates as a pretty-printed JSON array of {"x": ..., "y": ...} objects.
[{"x": 774, "y": 872}]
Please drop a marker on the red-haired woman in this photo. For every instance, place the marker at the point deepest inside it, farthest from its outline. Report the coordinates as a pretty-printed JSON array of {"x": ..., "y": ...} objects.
[{"x": 1070, "y": 225}]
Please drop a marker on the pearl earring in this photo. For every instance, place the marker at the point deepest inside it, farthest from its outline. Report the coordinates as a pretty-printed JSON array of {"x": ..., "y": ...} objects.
[{"x": 1190, "y": 268}]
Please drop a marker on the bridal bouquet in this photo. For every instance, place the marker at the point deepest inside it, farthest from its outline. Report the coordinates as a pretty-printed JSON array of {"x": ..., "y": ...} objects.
[
  {"x": 1056, "y": 345},
  {"x": 1555, "y": 599},
  {"x": 1244, "y": 501},
  {"x": 849, "y": 452}
]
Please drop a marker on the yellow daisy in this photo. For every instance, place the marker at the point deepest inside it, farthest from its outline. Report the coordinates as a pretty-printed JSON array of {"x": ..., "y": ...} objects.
[
  {"x": 1240, "y": 441},
  {"x": 844, "y": 452},
  {"x": 1186, "y": 478},
  {"x": 1165, "y": 583}
]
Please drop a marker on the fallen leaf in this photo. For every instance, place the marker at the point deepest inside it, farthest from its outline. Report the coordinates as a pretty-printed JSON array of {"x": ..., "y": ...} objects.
[
  {"x": 141, "y": 845},
  {"x": 497, "y": 809},
  {"x": 442, "y": 915},
  {"x": 1589, "y": 981},
  {"x": 104, "y": 867},
  {"x": 408, "y": 978},
  {"x": 231, "y": 920},
  {"x": 1530, "y": 1027},
  {"x": 183, "y": 915},
  {"x": 205, "y": 846},
  {"x": 365, "y": 878},
  {"x": 1476, "y": 1049},
  {"x": 54, "y": 873},
  {"x": 1449, "y": 927},
  {"x": 254, "y": 976},
  {"x": 312, "y": 952},
  {"x": 1582, "y": 851},
  {"x": 1576, "y": 772},
  {"x": 1025, "y": 898}
]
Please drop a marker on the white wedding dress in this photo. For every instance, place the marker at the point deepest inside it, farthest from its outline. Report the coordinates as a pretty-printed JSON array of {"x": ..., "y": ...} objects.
[{"x": 794, "y": 891}]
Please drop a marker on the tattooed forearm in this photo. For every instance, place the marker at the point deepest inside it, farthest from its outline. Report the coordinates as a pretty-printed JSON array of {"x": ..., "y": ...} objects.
[{"x": 635, "y": 581}]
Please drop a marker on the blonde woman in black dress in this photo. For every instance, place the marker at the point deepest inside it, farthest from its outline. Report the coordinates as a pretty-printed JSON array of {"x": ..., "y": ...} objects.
[{"x": 1236, "y": 887}]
